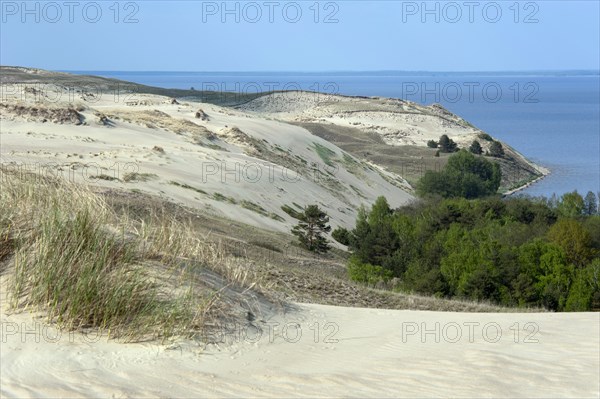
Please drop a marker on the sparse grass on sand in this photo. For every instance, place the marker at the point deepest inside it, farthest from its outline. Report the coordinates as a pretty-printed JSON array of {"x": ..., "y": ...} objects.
[{"x": 66, "y": 253}]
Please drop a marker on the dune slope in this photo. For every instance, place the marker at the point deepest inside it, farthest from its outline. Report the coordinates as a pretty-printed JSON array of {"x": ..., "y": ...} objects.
[{"x": 321, "y": 351}]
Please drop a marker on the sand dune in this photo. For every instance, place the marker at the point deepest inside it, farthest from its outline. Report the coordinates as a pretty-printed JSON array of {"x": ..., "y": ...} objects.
[
  {"x": 235, "y": 164},
  {"x": 398, "y": 122},
  {"x": 321, "y": 351}
]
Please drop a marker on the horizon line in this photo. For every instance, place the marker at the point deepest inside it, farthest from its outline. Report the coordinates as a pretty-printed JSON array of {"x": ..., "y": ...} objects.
[{"x": 594, "y": 71}]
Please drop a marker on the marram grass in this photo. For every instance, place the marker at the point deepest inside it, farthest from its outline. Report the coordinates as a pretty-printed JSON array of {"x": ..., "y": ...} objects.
[{"x": 69, "y": 255}]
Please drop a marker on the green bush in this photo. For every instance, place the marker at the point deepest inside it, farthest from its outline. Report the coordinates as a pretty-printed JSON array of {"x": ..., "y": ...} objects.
[
  {"x": 432, "y": 144},
  {"x": 464, "y": 176},
  {"x": 446, "y": 144},
  {"x": 367, "y": 273},
  {"x": 475, "y": 148},
  {"x": 496, "y": 149},
  {"x": 341, "y": 235}
]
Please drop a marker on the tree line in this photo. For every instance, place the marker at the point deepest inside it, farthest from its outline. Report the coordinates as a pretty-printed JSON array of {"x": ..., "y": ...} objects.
[
  {"x": 461, "y": 240},
  {"x": 514, "y": 252}
]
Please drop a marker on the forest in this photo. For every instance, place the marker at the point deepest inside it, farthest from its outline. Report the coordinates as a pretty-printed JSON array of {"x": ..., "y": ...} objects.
[{"x": 461, "y": 240}]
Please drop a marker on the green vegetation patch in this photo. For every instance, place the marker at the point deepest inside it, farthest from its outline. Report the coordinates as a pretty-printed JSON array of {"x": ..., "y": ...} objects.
[
  {"x": 291, "y": 211},
  {"x": 325, "y": 154},
  {"x": 465, "y": 175},
  {"x": 133, "y": 177},
  {"x": 84, "y": 267},
  {"x": 260, "y": 210},
  {"x": 104, "y": 177},
  {"x": 187, "y": 186},
  {"x": 220, "y": 197},
  {"x": 358, "y": 192}
]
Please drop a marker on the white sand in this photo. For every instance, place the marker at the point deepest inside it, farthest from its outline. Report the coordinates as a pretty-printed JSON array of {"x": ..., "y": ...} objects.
[
  {"x": 234, "y": 171},
  {"x": 398, "y": 122},
  {"x": 374, "y": 355}
]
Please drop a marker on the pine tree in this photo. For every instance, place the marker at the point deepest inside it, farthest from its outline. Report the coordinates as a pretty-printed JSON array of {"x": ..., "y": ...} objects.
[
  {"x": 590, "y": 204},
  {"x": 496, "y": 149},
  {"x": 311, "y": 226},
  {"x": 446, "y": 144},
  {"x": 475, "y": 148}
]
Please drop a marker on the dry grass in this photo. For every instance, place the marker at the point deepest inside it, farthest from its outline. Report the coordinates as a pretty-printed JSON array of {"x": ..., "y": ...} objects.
[
  {"x": 40, "y": 113},
  {"x": 68, "y": 254},
  {"x": 158, "y": 119}
]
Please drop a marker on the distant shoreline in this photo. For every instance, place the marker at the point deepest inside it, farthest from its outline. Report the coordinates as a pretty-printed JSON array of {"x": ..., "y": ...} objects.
[
  {"x": 561, "y": 73},
  {"x": 545, "y": 173}
]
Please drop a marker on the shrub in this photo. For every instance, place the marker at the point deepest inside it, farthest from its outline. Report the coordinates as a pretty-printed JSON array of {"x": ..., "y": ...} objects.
[
  {"x": 341, "y": 235},
  {"x": 496, "y": 149},
  {"x": 485, "y": 136},
  {"x": 475, "y": 148},
  {"x": 367, "y": 273},
  {"x": 432, "y": 144},
  {"x": 446, "y": 144},
  {"x": 464, "y": 176}
]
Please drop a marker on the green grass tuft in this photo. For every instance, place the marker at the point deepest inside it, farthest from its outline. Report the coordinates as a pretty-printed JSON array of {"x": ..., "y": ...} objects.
[
  {"x": 187, "y": 186},
  {"x": 325, "y": 154},
  {"x": 133, "y": 176}
]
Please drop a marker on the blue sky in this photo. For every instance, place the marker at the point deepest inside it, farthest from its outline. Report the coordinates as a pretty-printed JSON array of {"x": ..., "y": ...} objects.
[{"x": 359, "y": 35}]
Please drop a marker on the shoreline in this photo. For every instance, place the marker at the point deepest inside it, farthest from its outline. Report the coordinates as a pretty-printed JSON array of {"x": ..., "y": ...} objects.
[
  {"x": 545, "y": 173},
  {"x": 542, "y": 170}
]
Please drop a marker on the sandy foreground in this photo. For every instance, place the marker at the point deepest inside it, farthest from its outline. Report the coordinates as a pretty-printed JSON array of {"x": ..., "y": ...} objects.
[{"x": 319, "y": 351}]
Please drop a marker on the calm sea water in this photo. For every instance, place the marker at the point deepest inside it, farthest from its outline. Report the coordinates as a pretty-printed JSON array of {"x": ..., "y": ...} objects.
[{"x": 552, "y": 118}]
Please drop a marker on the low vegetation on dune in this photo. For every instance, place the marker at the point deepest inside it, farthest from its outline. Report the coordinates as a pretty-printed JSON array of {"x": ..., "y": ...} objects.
[{"x": 65, "y": 252}]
